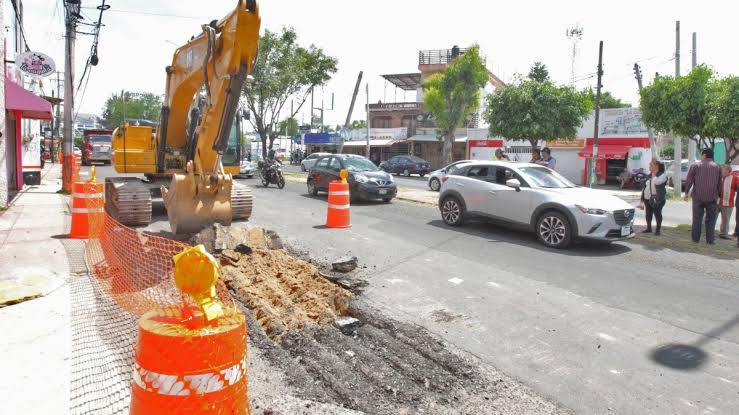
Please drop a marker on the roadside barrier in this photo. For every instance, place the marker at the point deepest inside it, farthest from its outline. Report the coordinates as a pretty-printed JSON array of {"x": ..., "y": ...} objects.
[
  {"x": 339, "y": 208},
  {"x": 87, "y": 202},
  {"x": 190, "y": 353},
  {"x": 70, "y": 170}
]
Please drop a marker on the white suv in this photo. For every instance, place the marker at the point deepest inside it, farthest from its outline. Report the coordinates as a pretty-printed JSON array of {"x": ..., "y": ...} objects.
[{"x": 534, "y": 197}]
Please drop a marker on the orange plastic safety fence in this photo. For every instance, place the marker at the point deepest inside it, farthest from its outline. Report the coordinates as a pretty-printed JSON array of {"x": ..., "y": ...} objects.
[{"x": 174, "y": 365}]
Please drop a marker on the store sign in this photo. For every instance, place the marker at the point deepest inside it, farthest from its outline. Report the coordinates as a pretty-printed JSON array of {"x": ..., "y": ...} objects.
[
  {"x": 577, "y": 143},
  {"x": 35, "y": 63}
]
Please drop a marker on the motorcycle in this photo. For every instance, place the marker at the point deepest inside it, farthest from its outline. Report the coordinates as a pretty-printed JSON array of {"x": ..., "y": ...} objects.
[{"x": 271, "y": 172}]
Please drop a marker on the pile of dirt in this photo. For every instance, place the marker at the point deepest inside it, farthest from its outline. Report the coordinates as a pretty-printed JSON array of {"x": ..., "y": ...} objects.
[{"x": 284, "y": 293}]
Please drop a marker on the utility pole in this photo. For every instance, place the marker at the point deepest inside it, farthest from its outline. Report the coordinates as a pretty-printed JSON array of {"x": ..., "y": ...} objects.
[
  {"x": 652, "y": 142},
  {"x": 68, "y": 139},
  {"x": 692, "y": 144},
  {"x": 594, "y": 160},
  {"x": 676, "y": 142},
  {"x": 348, "y": 121},
  {"x": 57, "y": 127},
  {"x": 367, "y": 151}
]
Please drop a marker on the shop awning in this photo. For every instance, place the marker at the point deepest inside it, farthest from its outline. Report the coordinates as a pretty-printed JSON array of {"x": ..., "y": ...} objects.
[
  {"x": 31, "y": 106},
  {"x": 425, "y": 138},
  {"x": 373, "y": 143},
  {"x": 606, "y": 151}
]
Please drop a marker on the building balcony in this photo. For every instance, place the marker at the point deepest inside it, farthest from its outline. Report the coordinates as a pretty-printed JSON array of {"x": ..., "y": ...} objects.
[
  {"x": 396, "y": 106},
  {"x": 439, "y": 56}
]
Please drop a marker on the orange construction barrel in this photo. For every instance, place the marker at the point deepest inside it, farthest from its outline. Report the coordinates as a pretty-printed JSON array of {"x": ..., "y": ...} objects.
[
  {"x": 87, "y": 209},
  {"x": 338, "y": 215},
  {"x": 182, "y": 367}
]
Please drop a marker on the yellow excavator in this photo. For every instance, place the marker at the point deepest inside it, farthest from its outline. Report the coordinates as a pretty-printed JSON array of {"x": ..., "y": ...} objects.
[{"x": 198, "y": 119}]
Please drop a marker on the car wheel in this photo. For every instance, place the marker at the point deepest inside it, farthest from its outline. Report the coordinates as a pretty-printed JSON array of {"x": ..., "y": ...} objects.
[
  {"x": 312, "y": 189},
  {"x": 280, "y": 182},
  {"x": 422, "y": 174},
  {"x": 434, "y": 184},
  {"x": 452, "y": 211},
  {"x": 554, "y": 230},
  {"x": 387, "y": 200},
  {"x": 302, "y": 167},
  {"x": 406, "y": 173}
]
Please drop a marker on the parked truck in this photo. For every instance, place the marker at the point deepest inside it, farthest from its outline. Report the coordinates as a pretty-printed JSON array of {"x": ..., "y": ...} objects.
[{"x": 97, "y": 146}]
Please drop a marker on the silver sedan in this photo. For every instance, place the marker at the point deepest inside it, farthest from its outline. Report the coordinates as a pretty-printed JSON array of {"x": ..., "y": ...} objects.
[{"x": 435, "y": 176}]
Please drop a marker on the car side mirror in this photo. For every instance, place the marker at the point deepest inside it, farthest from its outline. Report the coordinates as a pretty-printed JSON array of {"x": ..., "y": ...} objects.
[{"x": 514, "y": 183}]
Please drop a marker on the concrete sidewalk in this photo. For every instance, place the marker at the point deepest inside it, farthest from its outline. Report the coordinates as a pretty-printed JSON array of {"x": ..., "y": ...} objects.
[{"x": 36, "y": 341}]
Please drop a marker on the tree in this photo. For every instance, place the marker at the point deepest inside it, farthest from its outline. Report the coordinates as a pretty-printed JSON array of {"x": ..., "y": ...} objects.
[
  {"x": 533, "y": 110},
  {"x": 146, "y": 106},
  {"x": 679, "y": 105},
  {"x": 539, "y": 72},
  {"x": 288, "y": 127},
  {"x": 723, "y": 114},
  {"x": 284, "y": 70},
  {"x": 358, "y": 125},
  {"x": 606, "y": 100},
  {"x": 454, "y": 95}
]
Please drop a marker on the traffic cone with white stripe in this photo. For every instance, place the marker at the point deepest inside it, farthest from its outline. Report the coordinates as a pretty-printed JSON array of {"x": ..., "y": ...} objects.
[
  {"x": 339, "y": 209},
  {"x": 88, "y": 203}
]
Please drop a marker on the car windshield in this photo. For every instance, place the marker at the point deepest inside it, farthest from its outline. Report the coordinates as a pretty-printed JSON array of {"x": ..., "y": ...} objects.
[
  {"x": 100, "y": 138},
  {"x": 544, "y": 177},
  {"x": 359, "y": 164}
]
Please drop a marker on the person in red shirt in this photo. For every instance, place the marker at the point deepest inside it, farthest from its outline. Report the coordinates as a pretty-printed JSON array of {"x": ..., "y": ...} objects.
[{"x": 727, "y": 194}]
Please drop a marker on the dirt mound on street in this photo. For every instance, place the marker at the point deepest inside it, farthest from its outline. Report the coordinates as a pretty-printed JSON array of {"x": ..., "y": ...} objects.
[{"x": 283, "y": 292}]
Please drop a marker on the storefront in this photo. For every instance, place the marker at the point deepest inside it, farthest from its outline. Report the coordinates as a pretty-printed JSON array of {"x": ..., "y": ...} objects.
[
  {"x": 483, "y": 149},
  {"x": 615, "y": 156},
  {"x": 23, "y": 109}
]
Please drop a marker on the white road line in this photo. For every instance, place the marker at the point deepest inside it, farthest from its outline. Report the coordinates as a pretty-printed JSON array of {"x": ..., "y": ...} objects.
[{"x": 456, "y": 281}]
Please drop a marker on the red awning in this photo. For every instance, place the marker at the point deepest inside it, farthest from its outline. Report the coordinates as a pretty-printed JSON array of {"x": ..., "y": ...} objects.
[
  {"x": 31, "y": 106},
  {"x": 606, "y": 151}
]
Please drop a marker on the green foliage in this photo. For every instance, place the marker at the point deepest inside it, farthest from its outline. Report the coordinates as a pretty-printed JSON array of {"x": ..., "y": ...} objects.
[
  {"x": 288, "y": 127},
  {"x": 454, "y": 95},
  {"x": 539, "y": 72},
  {"x": 723, "y": 113},
  {"x": 284, "y": 70},
  {"x": 358, "y": 124},
  {"x": 606, "y": 100},
  {"x": 678, "y": 105},
  {"x": 534, "y": 111},
  {"x": 145, "y": 106}
]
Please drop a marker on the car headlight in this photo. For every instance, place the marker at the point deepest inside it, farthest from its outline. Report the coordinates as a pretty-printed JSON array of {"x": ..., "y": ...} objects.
[
  {"x": 360, "y": 178},
  {"x": 389, "y": 178},
  {"x": 591, "y": 211}
]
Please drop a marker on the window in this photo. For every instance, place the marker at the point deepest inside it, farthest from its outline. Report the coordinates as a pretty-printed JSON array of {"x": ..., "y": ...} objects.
[
  {"x": 334, "y": 164},
  {"x": 544, "y": 177},
  {"x": 323, "y": 163},
  {"x": 478, "y": 171},
  {"x": 313, "y": 156},
  {"x": 359, "y": 164}
]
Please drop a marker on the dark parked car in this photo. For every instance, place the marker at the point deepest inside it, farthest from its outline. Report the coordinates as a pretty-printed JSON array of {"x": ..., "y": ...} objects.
[
  {"x": 406, "y": 165},
  {"x": 366, "y": 181}
]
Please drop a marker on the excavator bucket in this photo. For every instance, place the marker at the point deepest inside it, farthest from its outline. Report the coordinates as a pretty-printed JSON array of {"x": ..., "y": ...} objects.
[{"x": 192, "y": 205}]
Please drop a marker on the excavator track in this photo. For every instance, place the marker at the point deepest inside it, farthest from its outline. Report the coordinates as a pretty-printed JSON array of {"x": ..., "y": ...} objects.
[
  {"x": 128, "y": 200},
  {"x": 241, "y": 201}
]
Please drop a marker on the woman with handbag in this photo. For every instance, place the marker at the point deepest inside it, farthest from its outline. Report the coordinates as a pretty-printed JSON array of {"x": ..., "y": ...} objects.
[{"x": 654, "y": 195}]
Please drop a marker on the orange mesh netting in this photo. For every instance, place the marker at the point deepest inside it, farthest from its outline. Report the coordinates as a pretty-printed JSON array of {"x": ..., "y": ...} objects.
[{"x": 130, "y": 294}]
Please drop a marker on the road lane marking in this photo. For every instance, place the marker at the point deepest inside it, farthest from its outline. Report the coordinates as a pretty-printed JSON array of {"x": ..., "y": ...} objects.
[{"x": 456, "y": 281}]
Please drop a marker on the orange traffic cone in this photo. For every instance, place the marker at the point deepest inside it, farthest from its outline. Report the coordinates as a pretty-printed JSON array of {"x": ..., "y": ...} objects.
[
  {"x": 338, "y": 215},
  {"x": 192, "y": 359},
  {"x": 87, "y": 209}
]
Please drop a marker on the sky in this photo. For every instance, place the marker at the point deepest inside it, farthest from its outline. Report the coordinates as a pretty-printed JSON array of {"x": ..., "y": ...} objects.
[{"x": 384, "y": 37}]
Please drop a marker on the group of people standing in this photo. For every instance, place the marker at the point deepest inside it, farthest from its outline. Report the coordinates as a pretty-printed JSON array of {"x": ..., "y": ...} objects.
[
  {"x": 714, "y": 190},
  {"x": 297, "y": 156},
  {"x": 541, "y": 157}
]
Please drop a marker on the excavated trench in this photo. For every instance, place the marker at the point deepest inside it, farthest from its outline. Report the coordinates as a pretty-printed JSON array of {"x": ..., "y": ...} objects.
[{"x": 373, "y": 363}]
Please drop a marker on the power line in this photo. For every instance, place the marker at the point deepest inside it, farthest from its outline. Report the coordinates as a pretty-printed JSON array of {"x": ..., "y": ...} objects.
[{"x": 151, "y": 13}]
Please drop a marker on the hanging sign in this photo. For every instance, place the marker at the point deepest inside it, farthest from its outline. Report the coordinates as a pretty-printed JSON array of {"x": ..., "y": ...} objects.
[{"x": 35, "y": 63}]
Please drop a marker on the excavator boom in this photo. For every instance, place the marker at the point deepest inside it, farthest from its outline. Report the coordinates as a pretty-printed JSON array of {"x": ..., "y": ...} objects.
[{"x": 215, "y": 63}]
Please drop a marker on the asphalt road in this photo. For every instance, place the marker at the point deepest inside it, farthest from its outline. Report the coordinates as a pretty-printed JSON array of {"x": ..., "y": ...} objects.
[
  {"x": 413, "y": 182},
  {"x": 583, "y": 326}
]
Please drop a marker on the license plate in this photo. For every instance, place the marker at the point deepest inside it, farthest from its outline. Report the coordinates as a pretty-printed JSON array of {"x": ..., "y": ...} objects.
[
  {"x": 625, "y": 230},
  {"x": 382, "y": 191}
]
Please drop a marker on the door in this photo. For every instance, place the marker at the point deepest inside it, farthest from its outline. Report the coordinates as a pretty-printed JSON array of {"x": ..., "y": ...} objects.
[
  {"x": 505, "y": 202},
  {"x": 473, "y": 187},
  {"x": 332, "y": 173},
  {"x": 320, "y": 173}
]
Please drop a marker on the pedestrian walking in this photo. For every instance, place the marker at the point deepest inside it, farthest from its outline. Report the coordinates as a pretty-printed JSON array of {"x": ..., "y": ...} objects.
[
  {"x": 547, "y": 159},
  {"x": 726, "y": 204},
  {"x": 654, "y": 196},
  {"x": 704, "y": 180}
]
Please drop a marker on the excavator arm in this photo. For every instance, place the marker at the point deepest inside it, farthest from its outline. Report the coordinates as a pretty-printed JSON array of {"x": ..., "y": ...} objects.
[{"x": 217, "y": 61}]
